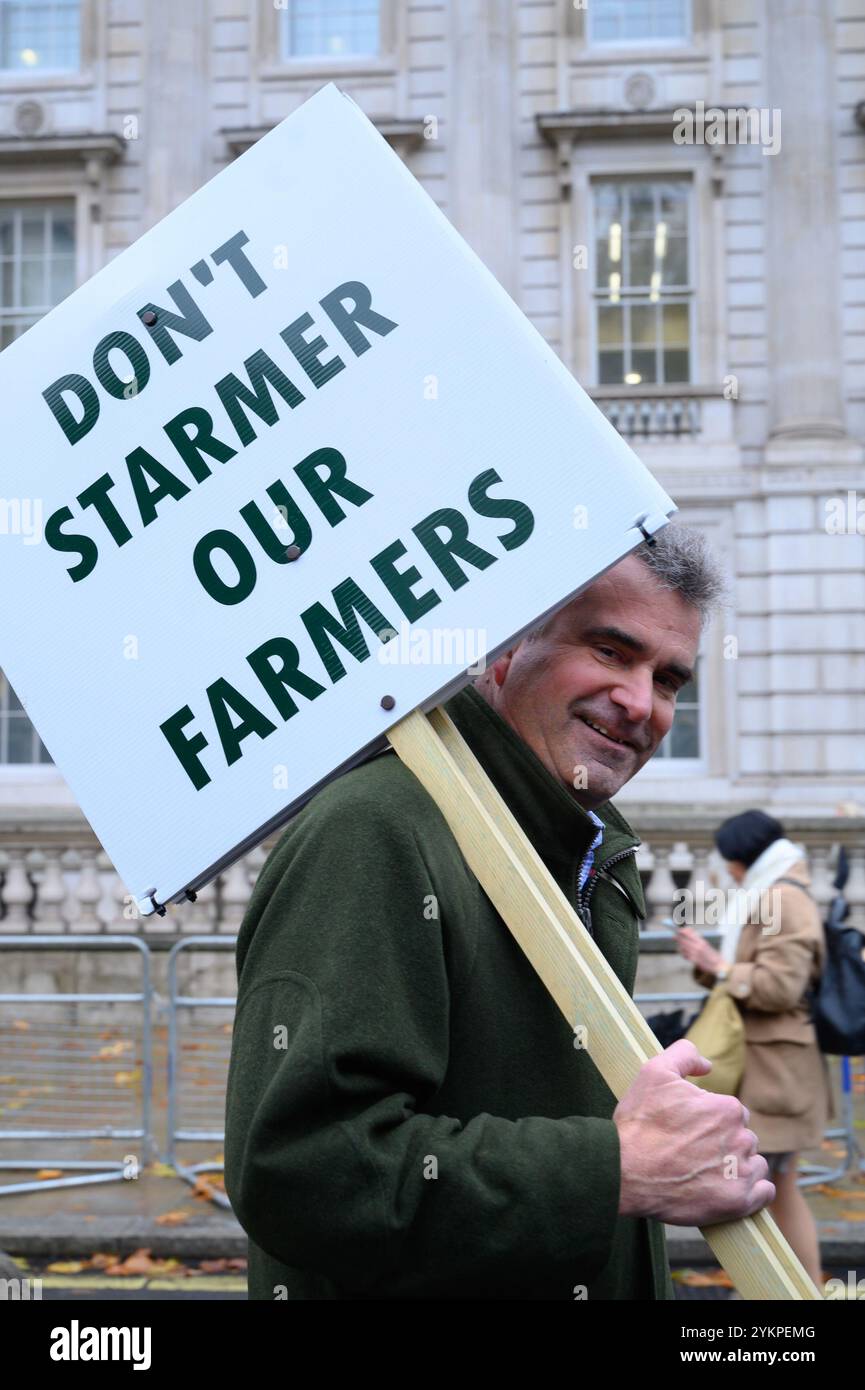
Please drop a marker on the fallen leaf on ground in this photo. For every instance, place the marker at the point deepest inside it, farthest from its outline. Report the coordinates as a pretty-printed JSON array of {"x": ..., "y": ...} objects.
[
  {"x": 172, "y": 1218},
  {"x": 101, "y": 1260},
  {"x": 205, "y": 1187},
  {"x": 50, "y": 1173},
  {"x": 137, "y": 1263},
  {"x": 65, "y": 1267},
  {"x": 221, "y": 1266}
]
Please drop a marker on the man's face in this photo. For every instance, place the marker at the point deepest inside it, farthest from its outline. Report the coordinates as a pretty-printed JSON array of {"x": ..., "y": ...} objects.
[{"x": 614, "y": 657}]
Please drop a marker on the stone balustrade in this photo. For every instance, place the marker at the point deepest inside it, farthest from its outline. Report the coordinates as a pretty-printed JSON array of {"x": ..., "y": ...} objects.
[
  {"x": 54, "y": 876},
  {"x": 678, "y": 853}
]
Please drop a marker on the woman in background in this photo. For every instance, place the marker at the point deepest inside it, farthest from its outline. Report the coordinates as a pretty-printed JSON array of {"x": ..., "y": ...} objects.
[{"x": 772, "y": 950}]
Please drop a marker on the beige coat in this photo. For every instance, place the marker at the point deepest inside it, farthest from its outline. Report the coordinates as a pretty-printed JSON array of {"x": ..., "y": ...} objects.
[{"x": 786, "y": 1084}]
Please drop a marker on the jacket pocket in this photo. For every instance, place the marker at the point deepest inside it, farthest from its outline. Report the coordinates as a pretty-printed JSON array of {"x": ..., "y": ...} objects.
[{"x": 779, "y": 1078}]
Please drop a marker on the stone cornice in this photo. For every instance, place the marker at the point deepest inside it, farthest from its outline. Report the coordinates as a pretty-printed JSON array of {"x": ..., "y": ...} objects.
[
  {"x": 564, "y": 129},
  {"x": 600, "y": 124},
  {"x": 93, "y": 150},
  {"x": 671, "y": 391},
  {"x": 402, "y": 134}
]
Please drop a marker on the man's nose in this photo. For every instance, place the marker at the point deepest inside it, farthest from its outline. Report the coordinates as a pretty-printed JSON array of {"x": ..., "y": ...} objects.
[{"x": 635, "y": 695}]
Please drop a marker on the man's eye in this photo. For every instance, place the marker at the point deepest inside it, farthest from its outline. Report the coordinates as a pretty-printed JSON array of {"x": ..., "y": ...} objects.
[{"x": 608, "y": 651}]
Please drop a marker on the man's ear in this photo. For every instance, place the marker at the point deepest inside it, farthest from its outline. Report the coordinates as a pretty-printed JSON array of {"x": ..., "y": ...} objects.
[{"x": 500, "y": 668}]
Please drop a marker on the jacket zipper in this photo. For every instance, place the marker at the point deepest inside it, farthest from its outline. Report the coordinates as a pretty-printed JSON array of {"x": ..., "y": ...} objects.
[{"x": 588, "y": 887}]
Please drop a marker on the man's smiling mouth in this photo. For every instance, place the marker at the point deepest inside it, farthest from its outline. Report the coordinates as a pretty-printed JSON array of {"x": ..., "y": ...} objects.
[{"x": 602, "y": 729}]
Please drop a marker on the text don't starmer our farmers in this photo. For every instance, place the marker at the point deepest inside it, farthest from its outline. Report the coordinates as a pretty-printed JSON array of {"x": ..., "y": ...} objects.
[{"x": 282, "y": 669}]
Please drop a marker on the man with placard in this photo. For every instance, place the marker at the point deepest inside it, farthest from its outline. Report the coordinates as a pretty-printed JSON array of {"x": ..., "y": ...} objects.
[
  {"x": 409, "y": 1115},
  {"x": 296, "y": 418}
]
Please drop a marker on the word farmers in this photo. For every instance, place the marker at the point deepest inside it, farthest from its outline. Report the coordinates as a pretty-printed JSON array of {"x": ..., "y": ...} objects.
[{"x": 284, "y": 670}]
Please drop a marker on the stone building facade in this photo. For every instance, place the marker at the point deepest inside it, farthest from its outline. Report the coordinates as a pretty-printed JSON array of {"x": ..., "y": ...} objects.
[{"x": 674, "y": 193}]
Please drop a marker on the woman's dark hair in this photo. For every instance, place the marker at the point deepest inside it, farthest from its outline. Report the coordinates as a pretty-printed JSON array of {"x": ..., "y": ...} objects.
[{"x": 743, "y": 838}]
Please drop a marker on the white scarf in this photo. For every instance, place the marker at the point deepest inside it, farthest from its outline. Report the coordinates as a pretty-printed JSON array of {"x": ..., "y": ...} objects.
[{"x": 744, "y": 903}]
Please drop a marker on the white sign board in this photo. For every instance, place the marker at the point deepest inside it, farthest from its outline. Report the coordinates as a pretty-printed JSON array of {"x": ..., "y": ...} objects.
[{"x": 294, "y": 451}]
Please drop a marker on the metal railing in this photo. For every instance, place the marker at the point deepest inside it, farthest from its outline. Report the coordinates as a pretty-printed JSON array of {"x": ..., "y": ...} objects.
[
  {"x": 196, "y": 1086},
  {"x": 69, "y": 1072},
  {"x": 64, "y": 1071}
]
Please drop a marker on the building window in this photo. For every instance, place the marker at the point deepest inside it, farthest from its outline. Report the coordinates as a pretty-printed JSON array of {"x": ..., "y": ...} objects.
[
  {"x": 683, "y": 740},
  {"x": 330, "y": 28},
  {"x": 37, "y": 262},
  {"x": 643, "y": 292},
  {"x": 40, "y": 37},
  {"x": 37, "y": 270},
  {"x": 19, "y": 741},
  {"x": 629, "y": 21}
]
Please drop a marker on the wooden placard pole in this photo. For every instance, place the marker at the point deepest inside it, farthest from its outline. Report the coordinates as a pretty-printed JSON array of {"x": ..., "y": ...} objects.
[{"x": 753, "y": 1251}]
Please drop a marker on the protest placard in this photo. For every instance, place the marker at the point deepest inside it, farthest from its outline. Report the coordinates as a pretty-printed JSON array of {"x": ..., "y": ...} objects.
[{"x": 294, "y": 462}]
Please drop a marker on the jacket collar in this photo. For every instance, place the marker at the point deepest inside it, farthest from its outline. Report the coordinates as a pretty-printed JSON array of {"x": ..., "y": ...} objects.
[{"x": 560, "y": 830}]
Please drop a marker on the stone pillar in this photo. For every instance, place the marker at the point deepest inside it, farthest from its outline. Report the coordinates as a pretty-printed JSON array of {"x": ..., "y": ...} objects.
[
  {"x": 481, "y": 138},
  {"x": 175, "y": 110},
  {"x": 802, "y": 253}
]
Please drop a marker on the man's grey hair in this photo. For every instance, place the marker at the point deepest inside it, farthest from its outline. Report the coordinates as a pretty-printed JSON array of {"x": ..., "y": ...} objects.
[{"x": 680, "y": 559}]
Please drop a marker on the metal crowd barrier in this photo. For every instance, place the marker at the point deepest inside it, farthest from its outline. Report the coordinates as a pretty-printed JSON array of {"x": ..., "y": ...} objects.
[
  {"x": 196, "y": 1085},
  {"x": 64, "y": 1076},
  {"x": 197, "y": 1071}
]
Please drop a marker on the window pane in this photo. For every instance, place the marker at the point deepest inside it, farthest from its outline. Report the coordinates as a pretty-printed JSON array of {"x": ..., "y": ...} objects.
[
  {"x": 331, "y": 28},
  {"x": 608, "y": 233},
  {"x": 643, "y": 325},
  {"x": 40, "y": 34},
  {"x": 685, "y": 734},
  {"x": 641, "y": 210},
  {"x": 611, "y": 368},
  {"x": 62, "y": 235},
  {"x": 642, "y": 262},
  {"x": 644, "y": 365},
  {"x": 683, "y": 740},
  {"x": 610, "y": 326},
  {"x": 62, "y": 279},
  {"x": 677, "y": 366},
  {"x": 674, "y": 263},
  {"x": 675, "y": 325},
  {"x": 612, "y": 20},
  {"x": 20, "y": 739},
  {"x": 32, "y": 282},
  {"x": 7, "y": 233},
  {"x": 33, "y": 234},
  {"x": 673, "y": 207}
]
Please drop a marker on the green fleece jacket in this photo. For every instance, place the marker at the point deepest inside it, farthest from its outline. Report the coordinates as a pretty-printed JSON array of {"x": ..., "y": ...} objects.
[{"x": 408, "y": 1115}]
